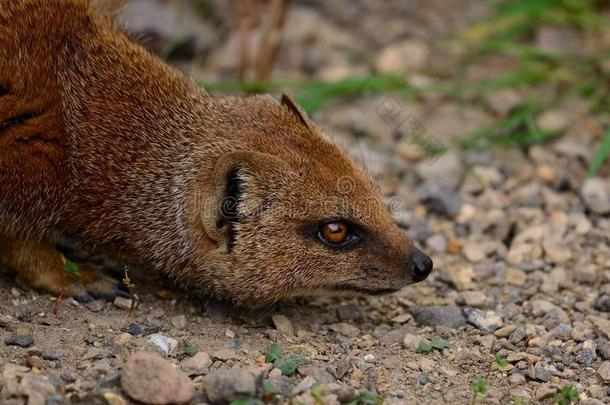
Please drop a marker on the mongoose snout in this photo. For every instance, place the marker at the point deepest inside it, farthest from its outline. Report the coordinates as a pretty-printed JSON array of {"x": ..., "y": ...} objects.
[
  {"x": 421, "y": 266},
  {"x": 243, "y": 199}
]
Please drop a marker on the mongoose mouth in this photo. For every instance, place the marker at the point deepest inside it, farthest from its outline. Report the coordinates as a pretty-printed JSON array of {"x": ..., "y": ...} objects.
[{"x": 368, "y": 291}]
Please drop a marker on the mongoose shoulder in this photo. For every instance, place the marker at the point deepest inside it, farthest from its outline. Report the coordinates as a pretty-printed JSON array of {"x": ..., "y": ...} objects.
[{"x": 242, "y": 198}]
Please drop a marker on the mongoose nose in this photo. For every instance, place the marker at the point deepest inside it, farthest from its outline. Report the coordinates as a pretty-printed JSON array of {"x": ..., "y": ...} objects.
[{"x": 422, "y": 265}]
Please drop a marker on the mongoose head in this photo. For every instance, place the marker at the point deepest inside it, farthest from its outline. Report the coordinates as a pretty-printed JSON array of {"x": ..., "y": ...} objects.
[{"x": 292, "y": 214}]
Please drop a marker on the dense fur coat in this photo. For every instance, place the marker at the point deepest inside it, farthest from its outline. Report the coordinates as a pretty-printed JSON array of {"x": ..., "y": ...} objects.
[{"x": 104, "y": 143}]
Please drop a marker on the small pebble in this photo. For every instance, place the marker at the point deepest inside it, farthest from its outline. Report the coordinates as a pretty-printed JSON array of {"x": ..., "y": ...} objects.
[
  {"x": 150, "y": 379},
  {"x": 604, "y": 371},
  {"x": 50, "y": 354},
  {"x": 283, "y": 324},
  {"x": 516, "y": 379},
  {"x": 122, "y": 302},
  {"x": 517, "y": 336},
  {"x": 95, "y": 305},
  {"x": 165, "y": 344},
  {"x": 585, "y": 357},
  {"x": 544, "y": 392},
  {"x": 487, "y": 321},
  {"x": 345, "y": 329},
  {"x": 19, "y": 340},
  {"x": 133, "y": 329},
  {"x": 505, "y": 331},
  {"x": 225, "y": 385},
  {"x": 602, "y": 303},
  {"x": 225, "y": 355},
  {"x": 448, "y": 316},
  {"x": 200, "y": 361},
  {"x": 603, "y": 349},
  {"x": 179, "y": 321},
  {"x": 542, "y": 374}
]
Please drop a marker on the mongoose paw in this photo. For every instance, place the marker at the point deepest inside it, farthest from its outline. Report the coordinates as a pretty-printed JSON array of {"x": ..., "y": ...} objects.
[{"x": 92, "y": 284}]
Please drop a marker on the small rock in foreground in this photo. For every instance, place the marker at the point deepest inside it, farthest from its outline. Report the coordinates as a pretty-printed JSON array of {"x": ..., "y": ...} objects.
[
  {"x": 151, "y": 379},
  {"x": 448, "y": 316},
  {"x": 222, "y": 386}
]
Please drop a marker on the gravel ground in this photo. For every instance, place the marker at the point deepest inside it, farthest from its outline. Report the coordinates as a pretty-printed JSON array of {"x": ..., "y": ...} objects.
[{"x": 515, "y": 312}]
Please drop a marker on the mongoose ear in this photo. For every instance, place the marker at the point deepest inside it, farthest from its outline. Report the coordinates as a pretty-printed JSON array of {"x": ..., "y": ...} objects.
[
  {"x": 234, "y": 192},
  {"x": 296, "y": 110}
]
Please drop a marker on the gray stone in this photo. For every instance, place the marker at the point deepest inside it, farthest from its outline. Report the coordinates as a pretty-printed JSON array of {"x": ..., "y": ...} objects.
[
  {"x": 562, "y": 331},
  {"x": 603, "y": 349},
  {"x": 439, "y": 199},
  {"x": 487, "y": 321},
  {"x": 222, "y": 386},
  {"x": 448, "y": 316},
  {"x": 602, "y": 303},
  {"x": 595, "y": 195},
  {"x": 133, "y": 329},
  {"x": 586, "y": 357},
  {"x": 517, "y": 336},
  {"x": 50, "y": 354},
  {"x": 96, "y": 305},
  {"x": 19, "y": 340},
  {"x": 542, "y": 374}
]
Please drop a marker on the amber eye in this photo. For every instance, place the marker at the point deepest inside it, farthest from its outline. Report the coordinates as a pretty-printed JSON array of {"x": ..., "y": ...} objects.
[{"x": 335, "y": 232}]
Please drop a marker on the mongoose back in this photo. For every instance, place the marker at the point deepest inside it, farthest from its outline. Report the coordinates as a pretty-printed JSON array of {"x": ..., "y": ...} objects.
[{"x": 241, "y": 198}]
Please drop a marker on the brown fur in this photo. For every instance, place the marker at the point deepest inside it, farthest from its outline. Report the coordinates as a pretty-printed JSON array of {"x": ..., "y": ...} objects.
[{"x": 103, "y": 142}]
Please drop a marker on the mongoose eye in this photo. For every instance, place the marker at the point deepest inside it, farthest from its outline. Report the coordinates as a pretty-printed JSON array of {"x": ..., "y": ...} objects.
[{"x": 336, "y": 234}]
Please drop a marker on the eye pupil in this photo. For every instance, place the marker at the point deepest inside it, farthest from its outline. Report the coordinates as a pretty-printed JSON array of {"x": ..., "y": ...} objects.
[{"x": 335, "y": 232}]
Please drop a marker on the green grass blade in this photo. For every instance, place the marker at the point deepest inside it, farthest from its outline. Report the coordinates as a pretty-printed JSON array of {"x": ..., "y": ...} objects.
[{"x": 600, "y": 156}]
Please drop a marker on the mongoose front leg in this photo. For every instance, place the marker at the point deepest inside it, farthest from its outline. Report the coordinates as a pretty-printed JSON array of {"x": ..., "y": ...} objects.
[{"x": 39, "y": 265}]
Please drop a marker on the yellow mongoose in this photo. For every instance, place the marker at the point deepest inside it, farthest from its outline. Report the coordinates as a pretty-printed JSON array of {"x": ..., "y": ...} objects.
[{"x": 102, "y": 142}]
